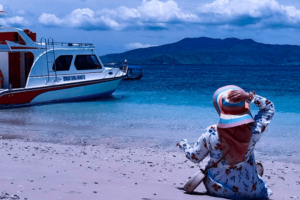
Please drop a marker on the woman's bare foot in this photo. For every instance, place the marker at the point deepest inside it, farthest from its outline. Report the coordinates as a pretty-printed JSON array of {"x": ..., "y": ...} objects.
[{"x": 260, "y": 169}]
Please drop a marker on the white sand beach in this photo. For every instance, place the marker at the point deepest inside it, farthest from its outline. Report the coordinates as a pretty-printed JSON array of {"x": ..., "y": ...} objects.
[{"x": 33, "y": 170}]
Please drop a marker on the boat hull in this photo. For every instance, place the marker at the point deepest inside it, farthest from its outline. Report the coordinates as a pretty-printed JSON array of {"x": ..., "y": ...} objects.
[{"x": 59, "y": 93}]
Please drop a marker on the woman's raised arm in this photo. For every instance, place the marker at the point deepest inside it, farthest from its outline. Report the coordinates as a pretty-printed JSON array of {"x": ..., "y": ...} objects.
[{"x": 264, "y": 116}]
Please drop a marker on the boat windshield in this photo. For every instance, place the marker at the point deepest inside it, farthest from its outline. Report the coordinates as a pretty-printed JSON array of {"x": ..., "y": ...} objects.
[{"x": 87, "y": 62}]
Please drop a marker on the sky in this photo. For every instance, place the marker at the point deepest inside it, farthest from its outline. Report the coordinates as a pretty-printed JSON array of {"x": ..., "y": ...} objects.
[{"x": 116, "y": 26}]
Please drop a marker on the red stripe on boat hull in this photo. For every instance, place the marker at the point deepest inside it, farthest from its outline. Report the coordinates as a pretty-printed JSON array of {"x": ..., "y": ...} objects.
[{"x": 25, "y": 96}]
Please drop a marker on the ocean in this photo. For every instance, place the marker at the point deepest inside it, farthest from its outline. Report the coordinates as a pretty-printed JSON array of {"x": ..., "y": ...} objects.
[{"x": 169, "y": 103}]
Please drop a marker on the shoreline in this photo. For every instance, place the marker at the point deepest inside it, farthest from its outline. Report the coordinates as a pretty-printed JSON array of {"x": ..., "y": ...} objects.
[{"x": 35, "y": 170}]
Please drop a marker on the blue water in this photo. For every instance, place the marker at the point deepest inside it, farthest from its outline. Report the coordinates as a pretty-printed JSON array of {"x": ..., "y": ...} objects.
[{"x": 169, "y": 103}]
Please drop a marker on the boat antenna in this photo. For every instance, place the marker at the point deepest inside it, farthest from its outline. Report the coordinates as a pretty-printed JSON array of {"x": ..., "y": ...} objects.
[
  {"x": 2, "y": 13},
  {"x": 88, "y": 34}
]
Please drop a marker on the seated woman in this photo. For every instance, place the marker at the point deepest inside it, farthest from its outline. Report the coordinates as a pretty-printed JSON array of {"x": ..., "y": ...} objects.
[{"x": 235, "y": 137}]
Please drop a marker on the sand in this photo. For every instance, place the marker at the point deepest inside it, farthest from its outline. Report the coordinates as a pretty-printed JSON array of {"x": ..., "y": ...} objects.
[{"x": 42, "y": 171}]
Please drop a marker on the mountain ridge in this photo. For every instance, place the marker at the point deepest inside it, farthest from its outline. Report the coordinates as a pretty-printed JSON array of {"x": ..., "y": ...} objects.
[{"x": 209, "y": 51}]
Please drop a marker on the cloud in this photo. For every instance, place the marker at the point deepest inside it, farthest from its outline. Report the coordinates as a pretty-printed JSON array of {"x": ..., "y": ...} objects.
[
  {"x": 21, "y": 12},
  {"x": 80, "y": 18},
  {"x": 15, "y": 21},
  {"x": 253, "y": 13},
  {"x": 152, "y": 14},
  {"x": 50, "y": 20},
  {"x": 161, "y": 15},
  {"x": 163, "y": 12},
  {"x": 12, "y": 20},
  {"x": 138, "y": 45}
]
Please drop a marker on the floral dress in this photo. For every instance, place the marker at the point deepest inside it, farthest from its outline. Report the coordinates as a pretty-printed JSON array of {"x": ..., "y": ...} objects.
[{"x": 242, "y": 180}]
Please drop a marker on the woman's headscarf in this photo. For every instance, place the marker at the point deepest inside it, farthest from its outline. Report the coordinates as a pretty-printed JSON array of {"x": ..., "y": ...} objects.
[{"x": 233, "y": 131}]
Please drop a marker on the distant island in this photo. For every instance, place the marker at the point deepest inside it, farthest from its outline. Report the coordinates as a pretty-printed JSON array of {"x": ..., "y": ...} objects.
[{"x": 208, "y": 51}]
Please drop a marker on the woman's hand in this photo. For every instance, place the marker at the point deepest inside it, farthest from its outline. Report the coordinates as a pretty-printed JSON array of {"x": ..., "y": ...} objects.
[{"x": 237, "y": 96}]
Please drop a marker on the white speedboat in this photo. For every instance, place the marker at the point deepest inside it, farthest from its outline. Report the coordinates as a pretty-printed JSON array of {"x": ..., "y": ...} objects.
[
  {"x": 41, "y": 72},
  {"x": 134, "y": 73}
]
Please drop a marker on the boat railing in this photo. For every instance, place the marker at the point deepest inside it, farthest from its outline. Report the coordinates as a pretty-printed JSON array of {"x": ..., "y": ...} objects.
[
  {"x": 124, "y": 68},
  {"x": 71, "y": 44},
  {"x": 116, "y": 65},
  {"x": 120, "y": 66}
]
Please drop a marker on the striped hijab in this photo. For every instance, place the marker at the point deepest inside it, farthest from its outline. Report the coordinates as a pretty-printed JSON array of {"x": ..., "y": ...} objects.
[
  {"x": 233, "y": 132},
  {"x": 231, "y": 114}
]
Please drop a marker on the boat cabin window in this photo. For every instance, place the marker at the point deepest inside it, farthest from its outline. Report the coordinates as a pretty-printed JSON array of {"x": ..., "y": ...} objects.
[
  {"x": 87, "y": 62},
  {"x": 62, "y": 63}
]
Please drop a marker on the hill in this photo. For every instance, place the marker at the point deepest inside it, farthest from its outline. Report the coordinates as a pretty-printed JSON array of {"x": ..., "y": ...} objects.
[{"x": 208, "y": 51}]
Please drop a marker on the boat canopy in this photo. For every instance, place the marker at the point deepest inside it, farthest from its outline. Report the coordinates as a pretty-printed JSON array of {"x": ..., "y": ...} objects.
[{"x": 134, "y": 67}]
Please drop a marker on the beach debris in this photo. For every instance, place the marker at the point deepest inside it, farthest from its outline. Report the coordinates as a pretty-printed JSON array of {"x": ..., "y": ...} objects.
[{"x": 6, "y": 196}]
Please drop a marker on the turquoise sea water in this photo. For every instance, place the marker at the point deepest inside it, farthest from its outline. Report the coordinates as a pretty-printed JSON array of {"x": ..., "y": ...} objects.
[{"x": 169, "y": 103}]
